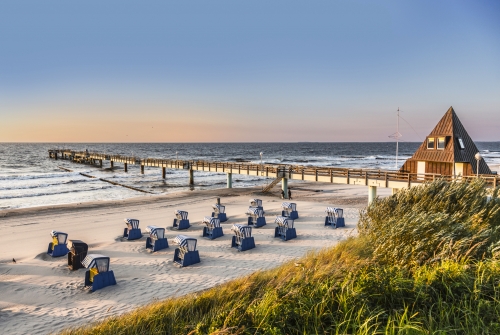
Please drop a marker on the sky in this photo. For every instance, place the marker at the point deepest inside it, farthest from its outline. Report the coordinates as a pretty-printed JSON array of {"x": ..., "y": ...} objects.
[{"x": 246, "y": 71}]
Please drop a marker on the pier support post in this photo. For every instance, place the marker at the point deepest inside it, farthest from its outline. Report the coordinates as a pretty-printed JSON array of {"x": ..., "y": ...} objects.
[
  {"x": 142, "y": 169},
  {"x": 229, "y": 180},
  {"x": 55, "y": 155},
  {"x": 191, "y": 177},
  {"x": 163, "y": 172},
  {"x": 125, "y": 166},
  {"x": 284, "y": 186},
  {"x": 372, "y": 194},
  {"x": 100, "y": 162},
  {"x": 112, "y": 165}
]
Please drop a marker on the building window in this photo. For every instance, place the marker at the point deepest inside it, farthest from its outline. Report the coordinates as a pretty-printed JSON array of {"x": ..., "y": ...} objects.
[
  {"x": 461, "y": 143},
  {"x": 441, "y": 143},
  {"x": 430, "y": 143}
]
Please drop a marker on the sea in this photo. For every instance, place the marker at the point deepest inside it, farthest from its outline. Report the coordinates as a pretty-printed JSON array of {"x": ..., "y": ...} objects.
[{"x": 28, "y": 178}]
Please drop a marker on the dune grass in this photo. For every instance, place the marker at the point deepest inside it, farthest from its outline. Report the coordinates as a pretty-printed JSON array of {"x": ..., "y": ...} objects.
[{"x": 425, "y": 263}]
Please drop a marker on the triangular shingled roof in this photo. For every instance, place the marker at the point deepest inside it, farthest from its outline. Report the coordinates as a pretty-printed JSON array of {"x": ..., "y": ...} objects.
[{"x": 450, "y": 126}]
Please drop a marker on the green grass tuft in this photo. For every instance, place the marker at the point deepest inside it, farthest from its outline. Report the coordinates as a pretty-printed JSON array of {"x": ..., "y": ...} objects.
[{"x": 425, "y": 263}]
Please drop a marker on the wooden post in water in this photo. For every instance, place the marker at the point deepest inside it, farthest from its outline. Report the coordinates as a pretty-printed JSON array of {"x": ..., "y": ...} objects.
[
  {"x": 163, "y": 172},
  {"x": 112, "y": 165},
  {"x": 100, "y": 162},
  {"x": 125, "y": 167},
  {"x": 142, "y": 169},
  {"x": 191, "y": 177}
]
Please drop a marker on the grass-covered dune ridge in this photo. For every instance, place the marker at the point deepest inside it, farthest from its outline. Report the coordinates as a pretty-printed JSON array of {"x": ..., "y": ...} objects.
[
  {"x": 440, "y": 221},
  {"x": 445, "y": 281}
]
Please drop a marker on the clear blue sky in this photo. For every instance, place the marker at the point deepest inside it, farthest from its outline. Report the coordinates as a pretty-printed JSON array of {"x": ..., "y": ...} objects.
[{"x": 246, "y": 70}]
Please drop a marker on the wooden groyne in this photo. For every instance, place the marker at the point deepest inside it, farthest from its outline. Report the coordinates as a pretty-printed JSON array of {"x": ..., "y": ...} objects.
[{"x": 279, "y": 172}]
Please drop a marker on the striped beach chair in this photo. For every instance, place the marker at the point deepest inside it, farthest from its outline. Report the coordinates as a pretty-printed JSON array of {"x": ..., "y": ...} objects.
[
  {"x": 289, "y": 210},
  {"x": 181, "y": 221},
  {"x": 98, "y": 274},
  {"x": 285, "y": 230},
  {"x": 256, "y": 217},
  {"x": 242, "y": 239},
  {"x": 256, "y": 203},
  {"x": 334, "y": 217},
  {"x": 132, "y": 231},
  {"x": 156, "y": 240},
  {"x": 58, "y": 247},
  {"x": 213, "y": 228},
  {"x": 186, "y": 254},
  {"x": 219, "y": 212}
]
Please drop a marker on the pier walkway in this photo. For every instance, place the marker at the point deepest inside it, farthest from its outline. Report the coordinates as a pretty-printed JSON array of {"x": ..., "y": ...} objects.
[{"x": 279, "y": 172}]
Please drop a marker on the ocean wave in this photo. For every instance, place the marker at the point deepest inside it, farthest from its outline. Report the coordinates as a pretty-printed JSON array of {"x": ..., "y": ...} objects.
[
  {"x": 55, "y": 193},
  {"x": 40, "y": 176},
  {"x": 27, "y": 187}
]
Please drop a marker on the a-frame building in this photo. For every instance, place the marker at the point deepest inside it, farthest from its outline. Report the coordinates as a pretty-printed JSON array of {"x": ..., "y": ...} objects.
[{"x": 448, "y": 150}]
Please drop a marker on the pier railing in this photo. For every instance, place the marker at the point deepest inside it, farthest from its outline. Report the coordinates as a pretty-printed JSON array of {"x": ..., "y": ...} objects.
[{"x": 370, "y": 177}]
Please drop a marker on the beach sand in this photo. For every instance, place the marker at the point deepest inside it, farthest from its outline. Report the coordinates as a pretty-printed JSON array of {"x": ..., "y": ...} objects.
[{"x": 39, "y": 294}]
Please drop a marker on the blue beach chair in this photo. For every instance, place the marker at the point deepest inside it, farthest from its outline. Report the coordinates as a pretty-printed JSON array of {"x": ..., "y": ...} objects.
[
  {"x": 58, "y": 247},
  {"x": 242, "y": 239},
  {"x": 256, "y": 217},
  {"x": 334, "y": 217},
  {"x": 186, "y": 254},
  {"x": 219, "y": 212},
  {"x": 289, "y": 210},
  {"x": 285, "y": 230},
  {"x": 132, "y": 231},
  {"x": 213, "y": 228},
  {"x": 156, "y": 240},
  {"x": 256, "y": 203},
  {"x": 98, "y": 274},
  {"x": 181, "y": 221}
]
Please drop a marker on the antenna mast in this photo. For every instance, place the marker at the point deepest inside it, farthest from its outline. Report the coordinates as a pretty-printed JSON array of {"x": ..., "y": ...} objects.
[{"x": 397, "y": 135}]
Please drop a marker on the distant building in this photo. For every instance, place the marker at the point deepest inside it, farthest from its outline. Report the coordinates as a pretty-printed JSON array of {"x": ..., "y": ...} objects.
[{"x": 448, "y": 150}]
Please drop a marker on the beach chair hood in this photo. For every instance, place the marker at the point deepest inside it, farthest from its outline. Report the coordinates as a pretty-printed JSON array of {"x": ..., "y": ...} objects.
[
  {"x": 242, "y": 230},
  {"x": 211, "y": 221},
  {"x": 100, "y": 262},
  {"x": 256, "y": 202},
  {"x": 156, "y": 231},
  {"x": 338, "y": 212},
  {"x": 183, "y": 215},
  {"x": 255, "y": 211},
  {"x": 289, "y": 205},
  {"x": 219, "y": 208},
  {"x": 132, "y": 223},
  {"x": 284, "y": 221},
  {"x": 185, "y": 241},
  {"x": 61, "y": 237}
]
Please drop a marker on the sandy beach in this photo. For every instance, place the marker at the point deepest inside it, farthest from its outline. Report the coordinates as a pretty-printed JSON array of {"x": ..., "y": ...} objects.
[{"x": 41, "y": 295}]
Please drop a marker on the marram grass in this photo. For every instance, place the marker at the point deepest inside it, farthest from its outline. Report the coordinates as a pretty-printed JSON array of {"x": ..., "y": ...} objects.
[{"x": 446, "y": 281}]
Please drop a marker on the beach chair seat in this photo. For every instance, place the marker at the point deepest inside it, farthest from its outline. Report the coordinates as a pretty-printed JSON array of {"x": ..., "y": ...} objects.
[
  {"x": 58, "y": 247},
  {"x": 181, "y": 220},
  {"x": 242, "y": 239},
  {"x": 289, "y": 209},
  {"x": 285, "y": 230},
  {"x": 77, "y": 253},
  {"x": 98, "y": 274},
  {"x": 256, "y": 203},
  {"x": 186, "y": 254},
  {"x": 334, "y": 217},
  {"x": 156, "y": 240},
  {"x": 132, "y": 231},
  {"x": 256, "y": 217},
  {"x": 219, "y": 212},
  {"x": 212, "y": 228}
]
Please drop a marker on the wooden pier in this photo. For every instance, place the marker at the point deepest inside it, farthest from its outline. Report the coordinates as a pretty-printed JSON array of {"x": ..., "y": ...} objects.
[{"x": 279, "y": 172}]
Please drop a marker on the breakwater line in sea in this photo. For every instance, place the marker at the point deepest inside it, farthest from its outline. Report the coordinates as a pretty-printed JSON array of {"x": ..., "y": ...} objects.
[{"x": 107, "y": 181}]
